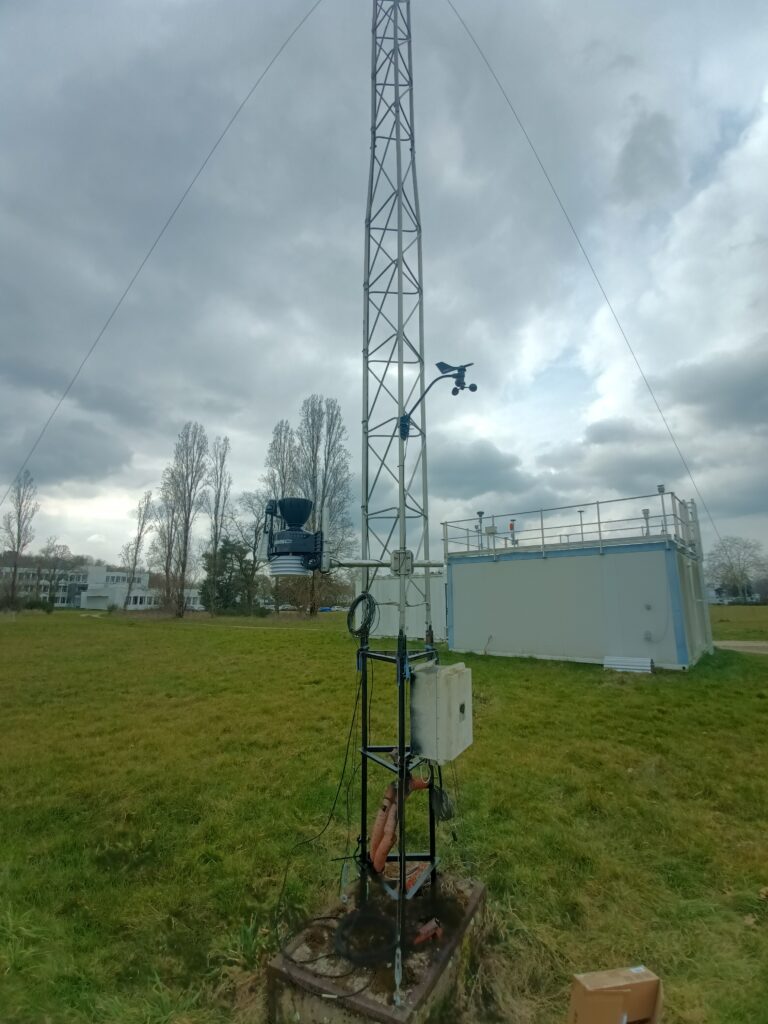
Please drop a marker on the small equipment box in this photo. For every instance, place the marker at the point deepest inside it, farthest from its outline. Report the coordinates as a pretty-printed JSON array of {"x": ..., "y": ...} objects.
[
  {"x": 629, "y": 995},
  {"x": 441, "y": 711}
]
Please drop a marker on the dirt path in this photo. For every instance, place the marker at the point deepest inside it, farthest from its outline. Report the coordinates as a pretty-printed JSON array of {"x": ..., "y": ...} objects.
[{"x": 745, "y": 646}]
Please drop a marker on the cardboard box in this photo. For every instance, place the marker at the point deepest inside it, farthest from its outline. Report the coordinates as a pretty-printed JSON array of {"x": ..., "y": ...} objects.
[{"x": 628, "y": 995}]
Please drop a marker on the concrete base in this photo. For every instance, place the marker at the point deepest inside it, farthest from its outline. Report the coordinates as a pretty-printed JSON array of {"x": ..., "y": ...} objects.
[{"x": 329, "y": 991}]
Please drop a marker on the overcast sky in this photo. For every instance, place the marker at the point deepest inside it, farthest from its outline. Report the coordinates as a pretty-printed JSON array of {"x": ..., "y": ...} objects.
[{"x": 651, "y": 118}]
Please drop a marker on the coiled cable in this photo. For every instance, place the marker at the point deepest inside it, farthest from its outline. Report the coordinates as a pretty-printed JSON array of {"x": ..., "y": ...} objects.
[{"x": 369, "y": 607}]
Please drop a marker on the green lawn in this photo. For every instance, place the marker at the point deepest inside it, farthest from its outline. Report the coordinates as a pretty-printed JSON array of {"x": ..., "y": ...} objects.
[
  {"x": 155, "y": 774},
  {"x": 739, "y": 621}
]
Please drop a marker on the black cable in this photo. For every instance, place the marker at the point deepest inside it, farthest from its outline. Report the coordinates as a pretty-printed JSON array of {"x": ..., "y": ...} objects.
[
  {"x": 370, "y": 691},
  {"x": 313, "y": 839},
  {"x": 350, "y": 783},
  {"x": 369, "y": 921},
  {"x": 154, "y": 245},
  {"x": 368, "y": 615},
  {"x": 346, "y": 995},
  {"x": 320, "y": 922},
  {"x": 589, "y": 262}
]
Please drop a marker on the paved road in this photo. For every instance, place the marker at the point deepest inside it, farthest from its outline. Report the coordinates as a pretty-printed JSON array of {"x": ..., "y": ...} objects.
[{"x": 745, "y": 646}]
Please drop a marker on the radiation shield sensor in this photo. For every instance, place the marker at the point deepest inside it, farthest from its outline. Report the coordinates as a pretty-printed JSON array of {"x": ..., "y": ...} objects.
[{"x": 289, "y": 549}]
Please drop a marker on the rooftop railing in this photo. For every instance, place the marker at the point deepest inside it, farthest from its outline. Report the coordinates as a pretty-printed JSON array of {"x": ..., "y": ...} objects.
[{"x": 660, "y": 516}]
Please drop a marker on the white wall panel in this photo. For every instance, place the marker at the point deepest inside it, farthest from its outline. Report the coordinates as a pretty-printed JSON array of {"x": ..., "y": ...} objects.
[{"x": 631, "y": 600}]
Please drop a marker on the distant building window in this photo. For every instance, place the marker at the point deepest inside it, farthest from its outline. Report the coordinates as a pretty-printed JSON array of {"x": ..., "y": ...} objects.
[
  {"x": 141, "y": 600},
  {"x": 135, "y": 599}
]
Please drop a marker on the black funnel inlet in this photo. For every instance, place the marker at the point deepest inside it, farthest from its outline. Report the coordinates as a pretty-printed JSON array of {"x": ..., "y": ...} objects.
[{"x": 295, "y": 511}]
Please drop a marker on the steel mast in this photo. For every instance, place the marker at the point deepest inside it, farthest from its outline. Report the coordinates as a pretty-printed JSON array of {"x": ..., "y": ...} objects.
[{"x": 394, "y": 484}]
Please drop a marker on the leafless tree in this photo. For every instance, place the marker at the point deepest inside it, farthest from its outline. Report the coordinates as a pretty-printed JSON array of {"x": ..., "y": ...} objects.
[
  {"x": 217, "y": 503},
  {"x": 162, "y": 550},
  {"x": 130, "y": 555},
  {"x": 280, "y": 473},
  {"x": 245, "y": 526},
  {"x": 188, "y": 473},
  {"x": 17, "y": 533},
  {"x": 55, "y": 562},
  {"x": 322, "y": 474},
  {"x": 279, "y": 477},
  {"x": 734, "y": 563}
]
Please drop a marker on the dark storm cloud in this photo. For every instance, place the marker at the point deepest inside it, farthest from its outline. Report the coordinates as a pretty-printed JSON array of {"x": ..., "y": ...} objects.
[
  {"x": 649, "y": 163},
  {"x": 613, "y": 457},
  {"x": 81, "y": 451},
  {"x": 466, "y": 471},
  {"x": 470, "y": 471},
  {"x": 247, "y": 273},
  {"x": 728, "y": 390},
  {"x": 253, "y": 298},
  {"x": 615, "y": 431},
  {"x": 745, "y": 493}
]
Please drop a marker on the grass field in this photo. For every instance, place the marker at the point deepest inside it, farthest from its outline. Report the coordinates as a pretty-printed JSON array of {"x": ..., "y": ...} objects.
[
  {"x": 155, "y": 774},
  {"x": 739, "y": 622}
]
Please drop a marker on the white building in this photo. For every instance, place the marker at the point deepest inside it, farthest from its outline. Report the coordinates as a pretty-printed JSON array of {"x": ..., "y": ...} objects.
[
  {"x": 34, "y": 581},
  {"x": 109, "y": 586},
  {"x": 94, "y": 587},
  {"x": 610, "y": 581}
]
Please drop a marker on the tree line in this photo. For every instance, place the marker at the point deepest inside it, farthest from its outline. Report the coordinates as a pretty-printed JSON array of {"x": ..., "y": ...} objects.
[
  {"x": 309, "y": 461},
  {"x": 737, "y": 569},
  {"x": 31, "y": 580}
]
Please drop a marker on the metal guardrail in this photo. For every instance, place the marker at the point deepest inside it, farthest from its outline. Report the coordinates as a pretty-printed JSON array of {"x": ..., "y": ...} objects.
[{"x": 597, "y": 523}]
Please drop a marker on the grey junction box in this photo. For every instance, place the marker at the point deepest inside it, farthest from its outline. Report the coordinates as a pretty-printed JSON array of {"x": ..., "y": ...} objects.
[{"x": 441, "y": 711}]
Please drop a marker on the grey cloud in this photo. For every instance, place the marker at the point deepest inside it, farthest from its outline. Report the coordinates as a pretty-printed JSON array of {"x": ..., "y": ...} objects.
[
  {"x": 727, "y": 391},
  {"x": 467, "y": 471},
  {"x": 616, "y": 431},
  {"x": 614, "y": 457},
  {"x": 746, "y": 493},
  {"x": 253, "y": 298},
  {"x": 649, "y": 163},
  {"x": 78, "y": 451}
]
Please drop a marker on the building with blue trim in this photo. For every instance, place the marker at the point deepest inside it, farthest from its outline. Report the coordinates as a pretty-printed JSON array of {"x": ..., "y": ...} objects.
[{"x": 606, "y": 582}]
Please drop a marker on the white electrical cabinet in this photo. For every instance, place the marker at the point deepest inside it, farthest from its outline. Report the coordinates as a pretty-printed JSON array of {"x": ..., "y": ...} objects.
[{"x": 441, "y": 711}]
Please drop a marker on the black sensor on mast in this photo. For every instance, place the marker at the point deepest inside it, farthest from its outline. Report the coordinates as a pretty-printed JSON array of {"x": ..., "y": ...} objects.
[
  {"x": 457, "y": 374},
  {"x": 289, "y": 548}
]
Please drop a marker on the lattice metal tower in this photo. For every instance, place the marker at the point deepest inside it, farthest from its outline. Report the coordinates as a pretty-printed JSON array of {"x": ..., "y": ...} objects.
[{"x": 394, "y": 485}]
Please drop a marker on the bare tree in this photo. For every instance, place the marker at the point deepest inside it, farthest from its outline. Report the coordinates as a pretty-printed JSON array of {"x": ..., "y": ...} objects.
[
  {"x": 245, "y": 526},
  {"x": 280, "y": 473},
  {"x": 56, "y": 561},
  {"x": 130, "y": 554},
  {"x": 322, "y": 474},
  {"x": 734, "y": 563},
  {"x": 279, "y": 477},
  {"x": 163, "y": 547},
  {"x": 188, "y": 473},
  {"x": 322, "y": 468},
  {"x": 217, "y": 503},
  {"x": 17, "y": 533}
]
